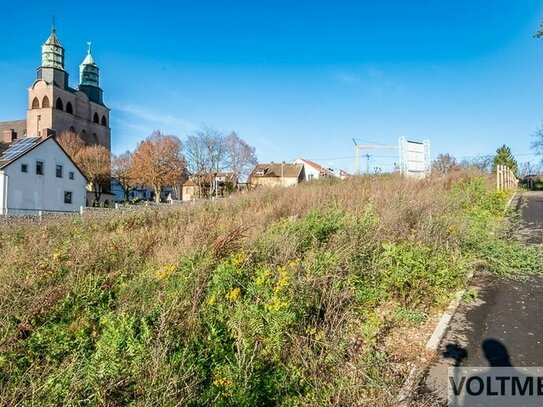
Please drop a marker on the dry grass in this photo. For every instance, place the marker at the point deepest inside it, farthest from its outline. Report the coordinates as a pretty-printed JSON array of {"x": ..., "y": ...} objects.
[{"x": 141, "y": 283}]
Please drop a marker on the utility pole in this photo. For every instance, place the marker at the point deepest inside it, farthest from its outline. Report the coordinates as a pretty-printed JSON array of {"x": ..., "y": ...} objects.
[{"x": 357, "y": 149}]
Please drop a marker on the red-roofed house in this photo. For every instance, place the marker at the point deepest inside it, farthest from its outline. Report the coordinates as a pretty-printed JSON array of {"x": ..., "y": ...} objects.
[{"x": 313, "y": 170}]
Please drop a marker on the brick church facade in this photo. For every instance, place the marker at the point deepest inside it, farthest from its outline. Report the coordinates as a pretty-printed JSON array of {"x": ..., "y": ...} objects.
[{"x": 54, "y": 107}]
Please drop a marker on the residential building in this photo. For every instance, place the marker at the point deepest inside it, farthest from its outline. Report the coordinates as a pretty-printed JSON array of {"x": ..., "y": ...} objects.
[
  {"x": 313, "y": 170},
  {"x": 276, "y": 175},
  {"x": 190, "y": 190},
  {"x": 341, "y": 174},
  {"x": 36, "y": 174},
  {"x": 208, "y": 185}
]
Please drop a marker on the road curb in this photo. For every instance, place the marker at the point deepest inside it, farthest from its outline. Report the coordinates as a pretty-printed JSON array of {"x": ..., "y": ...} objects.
[
  {"x": 415, "y": 374},
  {"x": 511, "y": 200}
]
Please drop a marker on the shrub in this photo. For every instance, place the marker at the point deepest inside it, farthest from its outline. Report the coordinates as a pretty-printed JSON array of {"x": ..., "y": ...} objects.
[{"x": 313, "y": 295}]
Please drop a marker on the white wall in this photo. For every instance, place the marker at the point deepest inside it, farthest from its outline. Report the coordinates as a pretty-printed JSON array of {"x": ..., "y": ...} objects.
[
  {"x": 28, "y": 192},
  {"x": 311, "y": 172}
]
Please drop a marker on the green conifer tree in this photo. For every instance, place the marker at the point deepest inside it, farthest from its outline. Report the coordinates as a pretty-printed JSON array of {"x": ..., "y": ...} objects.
[{"x": 504, "y": 156}]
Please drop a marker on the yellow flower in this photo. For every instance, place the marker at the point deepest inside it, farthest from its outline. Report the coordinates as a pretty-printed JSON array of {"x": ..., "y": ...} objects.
[
  {"x": 234, "y": 294},
  {"x": 166, "y": 271},
  {"x": 276, "y": 304},
  {"x": 283, "y": 280},
  {"x": 293, "y": 263},
  {"x": 320, "y": 335},
  {"x": 239, "y": 259},
  {"x": 212, "y": 300},
  {"x": 262, "y": 277},
  {"x": 222, "y": 382},
  {"x": 56, "y": 255}
]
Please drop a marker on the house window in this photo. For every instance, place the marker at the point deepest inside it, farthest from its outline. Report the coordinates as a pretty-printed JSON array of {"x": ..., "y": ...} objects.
[
  {"x": 71, "y": 175},
  {"x": 39, "y": 167},
  {"x": 59, "y": 171},
  {"x": 24, "y": 167},
  {"x": 67, "y": 197}
]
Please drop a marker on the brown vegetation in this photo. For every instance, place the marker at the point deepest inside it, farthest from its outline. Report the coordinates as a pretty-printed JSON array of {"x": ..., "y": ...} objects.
[{"x": 279, "y": 297}]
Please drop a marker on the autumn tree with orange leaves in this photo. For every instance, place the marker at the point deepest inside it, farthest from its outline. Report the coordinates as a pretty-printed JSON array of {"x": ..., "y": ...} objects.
[
  {"x": 94, "y": 161},
  {"x": 71, "y": 143},
  {"x": 158, "y": 163}
]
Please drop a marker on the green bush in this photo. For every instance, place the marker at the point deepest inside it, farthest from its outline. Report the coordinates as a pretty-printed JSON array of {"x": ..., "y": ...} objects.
[{"x": 293, "y": 297}]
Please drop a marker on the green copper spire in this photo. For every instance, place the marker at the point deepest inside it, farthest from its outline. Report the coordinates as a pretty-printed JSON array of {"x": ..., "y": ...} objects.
[
  {"x": 89, "y": 71},
  {"x": 52, "y": 53}
]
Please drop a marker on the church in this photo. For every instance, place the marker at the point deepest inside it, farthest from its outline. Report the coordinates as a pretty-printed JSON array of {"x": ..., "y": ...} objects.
[{"x": 54, "y": 107}]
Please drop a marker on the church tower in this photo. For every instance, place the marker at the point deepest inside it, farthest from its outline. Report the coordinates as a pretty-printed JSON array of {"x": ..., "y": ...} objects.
[
  {"x": 89, "y": 78},
  {"x": 52, "y": 62},
  {"x": 55, "y": 107}
]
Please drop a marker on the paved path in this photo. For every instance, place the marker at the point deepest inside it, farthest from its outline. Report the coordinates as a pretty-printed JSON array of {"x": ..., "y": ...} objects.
[{"x": 503, "y": 326}]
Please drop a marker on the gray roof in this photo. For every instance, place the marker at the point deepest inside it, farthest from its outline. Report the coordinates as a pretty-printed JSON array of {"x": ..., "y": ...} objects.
[
  {"x": 20, "y": 147},
  {"x": 18, "y": 125}
]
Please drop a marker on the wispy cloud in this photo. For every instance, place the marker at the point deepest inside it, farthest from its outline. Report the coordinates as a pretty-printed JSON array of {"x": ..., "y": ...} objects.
[
  {"x": 370, "y": 78},
  {"x": 151, "y": 115},
  {"x": 346, "y": 77},
  {"x": 131, "y": 125}
]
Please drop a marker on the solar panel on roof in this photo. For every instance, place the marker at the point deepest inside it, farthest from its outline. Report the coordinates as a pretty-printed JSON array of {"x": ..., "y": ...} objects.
[{"x": 18, "y": 147}]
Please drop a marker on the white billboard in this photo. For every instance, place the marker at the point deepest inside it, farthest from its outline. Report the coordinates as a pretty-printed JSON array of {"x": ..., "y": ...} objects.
[{"x": 415, "y": 158}]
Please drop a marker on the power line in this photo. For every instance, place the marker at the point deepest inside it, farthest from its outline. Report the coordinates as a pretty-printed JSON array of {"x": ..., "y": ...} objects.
[
  {"x": 433, "y": 157},
  {"x": 370, "y": 142}
]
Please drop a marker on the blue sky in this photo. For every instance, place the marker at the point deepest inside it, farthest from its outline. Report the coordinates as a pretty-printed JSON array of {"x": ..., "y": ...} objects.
[{"x": 299, "y": 78}]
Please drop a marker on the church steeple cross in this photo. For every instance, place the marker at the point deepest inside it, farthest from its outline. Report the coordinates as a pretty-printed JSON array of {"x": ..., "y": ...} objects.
[{"x": 54, "y": 20}]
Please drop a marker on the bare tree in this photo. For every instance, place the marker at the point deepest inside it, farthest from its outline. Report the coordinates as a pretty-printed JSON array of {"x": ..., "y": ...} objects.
[
  {"x": 71, "y": 143},
  {"x": 444, "y": 163},
  {"x": 158, "y": 162},
  {"x": 196, "y": 156},
  {"x": 482, "y": 163},
  {"x": 537, "y": 144},
  {"x": 240, "y": 156},
  {"x": 122, "y": 172},
  {"x": 528, "y": 168},
  {"x": 206, "y": 156},
  {"x": 214, "y": 149},
  {"x": 95, "y": 162}
]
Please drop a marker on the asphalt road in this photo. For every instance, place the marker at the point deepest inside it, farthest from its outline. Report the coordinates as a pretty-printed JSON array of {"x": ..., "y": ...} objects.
[{"x": 503, "y": 327}]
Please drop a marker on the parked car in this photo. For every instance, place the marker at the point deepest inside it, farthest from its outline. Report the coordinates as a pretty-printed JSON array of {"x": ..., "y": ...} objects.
[{"x": 533, "y": 182}]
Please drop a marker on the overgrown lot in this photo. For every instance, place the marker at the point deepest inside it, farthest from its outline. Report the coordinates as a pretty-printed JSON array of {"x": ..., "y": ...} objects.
[{"x": 316, "y": 295}]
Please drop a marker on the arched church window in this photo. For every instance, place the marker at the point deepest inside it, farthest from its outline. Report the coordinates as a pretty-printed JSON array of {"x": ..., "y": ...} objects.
[
  {"x": 45, "y": 102},
  {"x": 104, "y": 121},
  {"x": 69, "y": 108},
  {"x": 35, "y": 103},
  {"x": 72, "y": 130},
  {"x": 94, "y": 139},
  {"x": 95, "y": 118},
  {"x": 59, "y": 105}
]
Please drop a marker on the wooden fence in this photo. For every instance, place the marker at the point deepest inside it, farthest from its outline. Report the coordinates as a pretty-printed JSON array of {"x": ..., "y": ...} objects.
[{"x": 505, "y": 178}]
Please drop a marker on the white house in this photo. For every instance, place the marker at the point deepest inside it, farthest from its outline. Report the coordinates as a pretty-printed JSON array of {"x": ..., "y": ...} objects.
[
  {"x": 313, "y": 170},
  {"x": 36, "y": 174}
]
